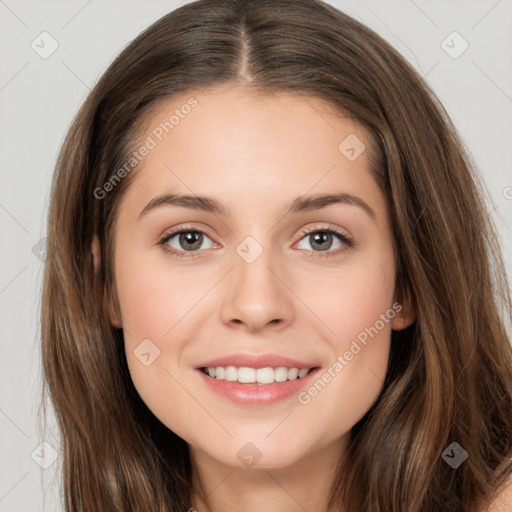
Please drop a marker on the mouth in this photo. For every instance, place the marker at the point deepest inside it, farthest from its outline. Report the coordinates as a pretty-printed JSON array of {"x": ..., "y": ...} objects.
[
  {"x": 248, "y": 386},
  {"x": 257, "y": 376}
]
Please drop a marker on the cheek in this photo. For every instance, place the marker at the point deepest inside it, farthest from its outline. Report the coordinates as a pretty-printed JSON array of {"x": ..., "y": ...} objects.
[
  {"x": 351, "y": 299},
  {"x": 154, "y": 305},
  {"x": 152, "y": 299},
  {"x": 356, "y": 304}
]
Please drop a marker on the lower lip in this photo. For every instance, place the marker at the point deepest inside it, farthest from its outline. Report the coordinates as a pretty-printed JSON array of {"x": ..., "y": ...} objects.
[{"x": 255, "y": 395}]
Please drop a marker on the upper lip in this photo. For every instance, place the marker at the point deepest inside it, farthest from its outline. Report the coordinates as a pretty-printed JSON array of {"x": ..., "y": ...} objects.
[{"x": 256, "y": 361}]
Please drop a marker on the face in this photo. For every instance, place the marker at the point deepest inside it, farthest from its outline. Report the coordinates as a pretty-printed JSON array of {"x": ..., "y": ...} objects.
[{"x": 266, "y": 280}]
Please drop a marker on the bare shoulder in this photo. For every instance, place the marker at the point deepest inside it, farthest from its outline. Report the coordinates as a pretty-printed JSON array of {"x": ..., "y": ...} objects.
[{"x": 503, "y": 502}]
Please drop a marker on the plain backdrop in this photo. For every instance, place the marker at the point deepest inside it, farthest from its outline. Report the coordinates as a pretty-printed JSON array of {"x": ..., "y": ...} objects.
[{"x": 39, "y": 97}]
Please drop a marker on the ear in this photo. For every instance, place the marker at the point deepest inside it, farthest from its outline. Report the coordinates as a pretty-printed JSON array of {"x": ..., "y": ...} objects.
[
  {"x": 405, "y": 314},
  {"x": 109, "y": 303}
]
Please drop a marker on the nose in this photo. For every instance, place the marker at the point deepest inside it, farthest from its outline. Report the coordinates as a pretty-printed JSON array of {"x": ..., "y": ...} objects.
[{"x": 256, "y": 295}]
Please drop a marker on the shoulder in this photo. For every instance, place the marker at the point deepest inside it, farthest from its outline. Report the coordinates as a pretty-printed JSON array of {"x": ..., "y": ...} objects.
[{"x": 503, "y": 501}]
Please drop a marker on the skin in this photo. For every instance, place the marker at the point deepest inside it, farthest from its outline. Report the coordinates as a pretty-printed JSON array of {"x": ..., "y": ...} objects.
[{"x": 291, "y": 300}]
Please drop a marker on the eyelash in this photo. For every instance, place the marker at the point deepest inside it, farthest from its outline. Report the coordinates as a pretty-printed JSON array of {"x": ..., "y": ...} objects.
[{"x": 346, "y": 240}]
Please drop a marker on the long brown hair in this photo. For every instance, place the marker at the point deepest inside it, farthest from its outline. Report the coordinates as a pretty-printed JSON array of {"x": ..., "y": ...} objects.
[{"x": 450, "y": 373}]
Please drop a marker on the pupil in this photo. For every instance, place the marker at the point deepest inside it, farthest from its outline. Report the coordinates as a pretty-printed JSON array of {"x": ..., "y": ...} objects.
[
  {"x": 190, "y": 237},
  {"x": 322, "y": 235}
]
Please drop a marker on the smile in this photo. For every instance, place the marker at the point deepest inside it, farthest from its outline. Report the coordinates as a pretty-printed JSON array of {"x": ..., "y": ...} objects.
[
  {"x": 261, "y": 376},
  {"x": 276, "y": 386}
]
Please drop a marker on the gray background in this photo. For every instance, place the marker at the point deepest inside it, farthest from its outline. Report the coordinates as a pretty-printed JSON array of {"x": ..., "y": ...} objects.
[{"x": 39, "y": 97}]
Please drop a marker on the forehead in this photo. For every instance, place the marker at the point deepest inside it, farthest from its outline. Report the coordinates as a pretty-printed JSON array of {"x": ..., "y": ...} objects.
[{"x": 231, "y": 138}]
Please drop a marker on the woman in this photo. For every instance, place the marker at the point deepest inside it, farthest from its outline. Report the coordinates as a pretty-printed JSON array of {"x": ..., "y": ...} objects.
[{"x": 249, "y": 371}]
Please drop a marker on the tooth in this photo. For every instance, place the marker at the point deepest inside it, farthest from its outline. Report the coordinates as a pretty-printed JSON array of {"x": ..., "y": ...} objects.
[
  {"x": 246, "y": 375},
  {"x": 265, "y": 375},
  {"x": 292, "y": 373},
  {"x": 231, "y": 373},
  {"x": 281, "y": 374}
]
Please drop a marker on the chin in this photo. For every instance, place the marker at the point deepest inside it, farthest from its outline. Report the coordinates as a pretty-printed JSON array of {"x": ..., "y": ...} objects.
[{"x": 258, "y": 453}]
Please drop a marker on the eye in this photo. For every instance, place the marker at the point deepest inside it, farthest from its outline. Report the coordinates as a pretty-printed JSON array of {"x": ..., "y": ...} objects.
[
  {"x": 321, "y": 241},
  {"x": 185, "y": 241},
  {"x": 188, "y": 241}
]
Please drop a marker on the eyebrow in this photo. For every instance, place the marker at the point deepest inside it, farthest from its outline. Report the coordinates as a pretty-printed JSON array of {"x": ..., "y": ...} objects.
[{"x": 300, "y": 204}]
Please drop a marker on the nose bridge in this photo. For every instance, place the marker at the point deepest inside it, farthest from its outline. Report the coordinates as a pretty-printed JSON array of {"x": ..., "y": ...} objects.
[{"x": 256, "y": 294}]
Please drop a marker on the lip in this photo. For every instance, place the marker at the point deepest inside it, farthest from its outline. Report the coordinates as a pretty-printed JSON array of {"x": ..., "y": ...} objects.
[
  {"x": 255, "y": 395},
  {"x": 257, "y": 361}
]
